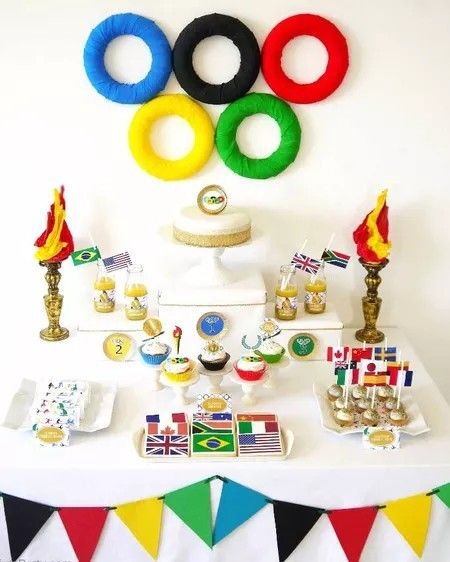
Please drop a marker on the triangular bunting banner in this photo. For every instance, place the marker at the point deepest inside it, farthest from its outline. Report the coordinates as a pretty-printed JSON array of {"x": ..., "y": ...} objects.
[
  {"x": 352, "y": 527},
  {"x": 84, "y": 526},
  {"x": 411, "y": 516},
  {"x": 192, "y": 504},
  {"x": 237, "y": 504},
  {"x": 293, "y": 522},
  {"x": 143, "y": 519},
  {"x": 443, "y": 494},
  {"x": 24, "y": 520}
]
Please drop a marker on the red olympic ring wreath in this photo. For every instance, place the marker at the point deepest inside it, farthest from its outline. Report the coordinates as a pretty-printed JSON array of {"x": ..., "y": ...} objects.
[{"x": 272, "y": 51}]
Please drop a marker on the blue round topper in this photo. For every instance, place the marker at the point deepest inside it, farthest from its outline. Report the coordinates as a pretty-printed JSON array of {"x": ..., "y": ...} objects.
[
  {"x": 211, "y": 325},
  {"x": 94, "y": 54}
]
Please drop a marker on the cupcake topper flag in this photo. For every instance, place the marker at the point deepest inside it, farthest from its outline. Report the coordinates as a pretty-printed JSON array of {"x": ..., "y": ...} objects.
[
  {"x": 177, "y": 333},
  {"x": 54, "y": 245},
  {"x": 373, "y": 248}
]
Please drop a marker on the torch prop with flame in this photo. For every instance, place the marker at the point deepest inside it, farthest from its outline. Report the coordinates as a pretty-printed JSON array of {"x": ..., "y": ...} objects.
[{"x": 177, "y": 333}]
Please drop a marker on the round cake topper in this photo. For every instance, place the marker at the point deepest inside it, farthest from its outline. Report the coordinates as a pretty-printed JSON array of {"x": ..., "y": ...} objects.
[
  {"x": 302, "y": 346},
  {"x": 152, "y": 327},
  {"x": 119, "y": 347},
  {"x": 212, "y": 326},
  {"x": 269, "y": 328},
  {"x": 212, "y": 199}
]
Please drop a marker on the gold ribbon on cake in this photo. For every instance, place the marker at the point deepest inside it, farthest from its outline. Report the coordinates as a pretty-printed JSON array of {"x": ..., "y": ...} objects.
[{"x": 212, "y": 240}]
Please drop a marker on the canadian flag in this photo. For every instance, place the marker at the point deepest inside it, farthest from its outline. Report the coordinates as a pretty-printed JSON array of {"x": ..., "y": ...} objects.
[{"x": 337, "y": 354}]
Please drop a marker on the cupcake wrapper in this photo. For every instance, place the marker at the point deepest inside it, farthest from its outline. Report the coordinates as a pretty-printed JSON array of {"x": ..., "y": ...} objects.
[
  {"x": 271, "y": 358},
  {"x": 214, "y": 365},
  {"x": 154, "y": 359},
  {"x": 250, "y": 375}
]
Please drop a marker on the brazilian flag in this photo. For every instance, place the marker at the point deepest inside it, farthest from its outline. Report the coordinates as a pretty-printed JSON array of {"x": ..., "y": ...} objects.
[{"x": 80, "y": 257}]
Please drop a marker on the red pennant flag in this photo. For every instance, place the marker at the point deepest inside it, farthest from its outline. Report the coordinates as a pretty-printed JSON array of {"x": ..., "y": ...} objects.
[
  {"x": 352, "y": 527},
  {"x": 84, "y": 526}
]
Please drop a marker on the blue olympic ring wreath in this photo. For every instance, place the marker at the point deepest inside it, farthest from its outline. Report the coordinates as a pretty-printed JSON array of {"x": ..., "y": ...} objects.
[{"x": 94, "y": 54}]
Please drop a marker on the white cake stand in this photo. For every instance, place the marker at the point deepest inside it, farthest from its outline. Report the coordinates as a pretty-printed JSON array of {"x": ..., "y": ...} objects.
[
  {"x": 180, "y": 388},
  {"x": 272, "y": 380},
  {"x": 210, "y": 271},
  {"x": 215, "y": 377},
  {"x": 155, "y": 375},
  {"x": 249, "y": 387}
]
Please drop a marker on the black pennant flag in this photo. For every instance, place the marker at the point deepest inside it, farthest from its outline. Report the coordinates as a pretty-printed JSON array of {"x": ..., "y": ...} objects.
[
  {"x": 24, "y": 519},
  {"x": 292, "y": 522}
]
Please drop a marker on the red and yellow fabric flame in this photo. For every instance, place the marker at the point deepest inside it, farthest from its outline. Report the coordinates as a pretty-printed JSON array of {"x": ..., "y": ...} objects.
[
  {"x": 371, "y": 236},
  {"x": 55, "y": 243}
]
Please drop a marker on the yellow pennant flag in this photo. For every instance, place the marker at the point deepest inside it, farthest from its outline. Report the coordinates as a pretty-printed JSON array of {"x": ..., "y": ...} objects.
[
  {"x": 143, "y": 519},
  {"x": 411, "y": 517}
]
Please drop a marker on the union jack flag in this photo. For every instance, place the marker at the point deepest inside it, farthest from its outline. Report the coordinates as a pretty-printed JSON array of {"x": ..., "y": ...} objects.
[
  {"x": 306, "y": 263},
  {"x": 167, "y": 445}
]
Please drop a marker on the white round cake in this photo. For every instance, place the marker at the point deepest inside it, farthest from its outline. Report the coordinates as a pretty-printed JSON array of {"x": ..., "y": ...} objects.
[{"x": 195, "y": 228}]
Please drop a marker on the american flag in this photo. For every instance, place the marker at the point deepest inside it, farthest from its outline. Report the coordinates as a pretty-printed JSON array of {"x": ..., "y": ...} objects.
[
  {"x": 118, "y": 261},
  {"x": 305, "y": 263},
  {"x": 167, "y": 445},
  {"x": 260, "y": 444}
]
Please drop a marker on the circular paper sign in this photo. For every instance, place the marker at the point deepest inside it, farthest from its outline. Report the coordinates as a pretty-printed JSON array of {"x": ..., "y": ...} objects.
[
  {"x": 119, "y": 347},
  {"x": 302, "y": 346},
  {"x": 212, "y": 199},
  {"x": 212, "y": 325}
]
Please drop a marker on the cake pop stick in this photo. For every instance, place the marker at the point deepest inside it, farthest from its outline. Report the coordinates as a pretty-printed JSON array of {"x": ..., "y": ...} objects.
[
  {"x": 347, "y": 383},
  {"x": 373, "y": 396},
  {"x": 400, "y": 361},
  {"x": 401, "y": 378}
]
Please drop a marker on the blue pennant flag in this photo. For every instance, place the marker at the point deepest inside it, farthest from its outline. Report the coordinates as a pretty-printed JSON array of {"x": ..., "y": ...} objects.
[{"x": 237, "y": 504}]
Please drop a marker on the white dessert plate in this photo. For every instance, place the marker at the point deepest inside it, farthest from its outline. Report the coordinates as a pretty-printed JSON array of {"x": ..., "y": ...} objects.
[
  {"x": 415, "y": 426},
  {"x": 287, "y": 437},
  {"x": 97, "y": 414}
]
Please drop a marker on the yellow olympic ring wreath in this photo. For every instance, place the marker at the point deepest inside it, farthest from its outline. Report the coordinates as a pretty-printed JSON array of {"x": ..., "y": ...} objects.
[{"x": 162, "y": 106}]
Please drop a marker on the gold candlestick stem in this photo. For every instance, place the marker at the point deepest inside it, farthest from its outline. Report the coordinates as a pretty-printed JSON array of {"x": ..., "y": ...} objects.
[
  {"x": 371, "y": 303},
  {"x": 53, "y": 304}
]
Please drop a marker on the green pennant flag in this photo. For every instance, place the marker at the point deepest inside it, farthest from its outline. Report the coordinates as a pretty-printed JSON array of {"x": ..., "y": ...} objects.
[
  {"x": 192, "y": 504},
  {"x": 87, "y": 255},
  {"x": 443, "y": 493}
]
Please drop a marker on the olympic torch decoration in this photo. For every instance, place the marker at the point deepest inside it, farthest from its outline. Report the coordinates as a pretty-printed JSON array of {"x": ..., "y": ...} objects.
[
  {"x": 54, "y": 245},
  {"x": 177, "y": 333}
]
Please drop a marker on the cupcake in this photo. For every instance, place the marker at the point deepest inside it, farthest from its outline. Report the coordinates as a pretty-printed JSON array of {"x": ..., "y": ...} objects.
[
  {"x": 213, "y": 357},
  {"x": 359, "y": 391},
  {"x": 362, "y": 405},
  {"x": 154, "y": 352},
  {"x": 340, "y": 403},
  {"x": 390, "y": 404},
  {"x": 334, "y": 392},
  {"x": 178, "y": 368},
  {"x": 398, "y": 416},
  {"x": 250, "y": 367},
  {"x": 271, "y": 351},
  {"x": 385, "y": 392},
  {"x": 344, "y": 417},
  {"x": 370, "y": 417}
]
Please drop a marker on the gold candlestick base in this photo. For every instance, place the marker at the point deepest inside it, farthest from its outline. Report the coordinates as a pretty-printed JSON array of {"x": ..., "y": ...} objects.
[
  {"x": 53, "y": 304},
  {"x": 371, "y": 303}
]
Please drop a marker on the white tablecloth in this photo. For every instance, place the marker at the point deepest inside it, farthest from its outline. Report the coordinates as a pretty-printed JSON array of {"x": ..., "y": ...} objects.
[{"x": 324, "y": 469}]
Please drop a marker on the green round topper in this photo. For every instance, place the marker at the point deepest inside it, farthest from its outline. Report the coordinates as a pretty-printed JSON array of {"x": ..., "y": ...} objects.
[{"x": 302, "y": 346}]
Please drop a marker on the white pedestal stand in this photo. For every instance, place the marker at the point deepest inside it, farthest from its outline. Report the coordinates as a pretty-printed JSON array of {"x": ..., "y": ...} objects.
[
  {"x": 249, "y": 387},
  {"x": 215, "y": 377},
  {"x": 272, "y": 381},
  {"x": 180, "y": 388},
  {"x": 154, "y": 379}
]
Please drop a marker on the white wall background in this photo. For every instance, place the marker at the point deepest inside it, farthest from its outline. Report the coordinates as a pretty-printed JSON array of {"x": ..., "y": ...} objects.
[{"x": 387, "y": 126}]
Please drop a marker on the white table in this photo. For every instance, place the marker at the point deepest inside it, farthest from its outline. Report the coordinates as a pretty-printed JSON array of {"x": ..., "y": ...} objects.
[{"x": 324, "y": 469}]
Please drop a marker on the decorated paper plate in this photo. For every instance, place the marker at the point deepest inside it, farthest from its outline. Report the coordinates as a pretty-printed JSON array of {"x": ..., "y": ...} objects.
[
  {"x": 97, "y": 414},
  {"x": 415, "y": 426},
  {"x": 286, "y": 434},
  {"x": 303, "y": 346},
  {"x": 119, "y": 347}
]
